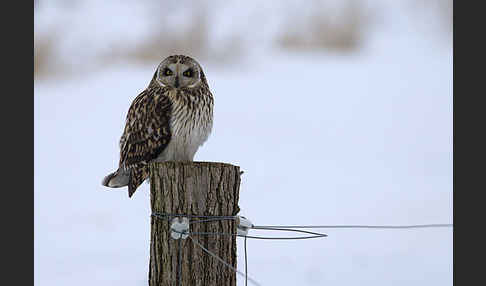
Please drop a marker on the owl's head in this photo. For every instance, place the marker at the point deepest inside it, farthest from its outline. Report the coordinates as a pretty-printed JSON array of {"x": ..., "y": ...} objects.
[{"x": 179, "y": 71}]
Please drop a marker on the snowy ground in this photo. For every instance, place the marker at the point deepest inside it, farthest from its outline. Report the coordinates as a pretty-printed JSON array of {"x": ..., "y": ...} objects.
[{"x": 323, "y": 139}]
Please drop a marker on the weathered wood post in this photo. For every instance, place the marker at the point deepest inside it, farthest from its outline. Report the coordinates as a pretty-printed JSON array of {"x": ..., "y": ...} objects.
[{"x": 197, "y": 189}]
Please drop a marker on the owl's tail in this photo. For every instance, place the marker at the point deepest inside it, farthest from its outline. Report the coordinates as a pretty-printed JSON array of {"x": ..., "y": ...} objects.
[{"x": 117, "y": 179}]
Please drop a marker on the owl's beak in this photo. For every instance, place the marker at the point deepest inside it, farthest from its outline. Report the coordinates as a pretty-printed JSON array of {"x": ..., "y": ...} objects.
[{"x": 177, "y": 81}]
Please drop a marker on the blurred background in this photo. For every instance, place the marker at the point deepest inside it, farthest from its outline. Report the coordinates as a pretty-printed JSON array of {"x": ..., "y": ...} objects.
[{"x": 338, "y": 112}]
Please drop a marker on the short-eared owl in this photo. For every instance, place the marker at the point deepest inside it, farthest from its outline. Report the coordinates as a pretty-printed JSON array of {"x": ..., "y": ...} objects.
[{"x": 168, "y": 121}]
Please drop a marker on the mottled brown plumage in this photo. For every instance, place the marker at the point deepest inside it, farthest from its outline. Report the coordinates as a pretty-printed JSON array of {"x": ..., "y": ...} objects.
[{"x": 168, "y": 121}]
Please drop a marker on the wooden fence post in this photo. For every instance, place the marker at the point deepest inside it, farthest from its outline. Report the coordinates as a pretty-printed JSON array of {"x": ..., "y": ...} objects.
[{"x": 197, "y": 189}]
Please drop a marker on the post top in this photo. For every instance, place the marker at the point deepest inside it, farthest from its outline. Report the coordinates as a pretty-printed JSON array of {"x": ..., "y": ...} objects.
[{"x": 193, "y": 163}]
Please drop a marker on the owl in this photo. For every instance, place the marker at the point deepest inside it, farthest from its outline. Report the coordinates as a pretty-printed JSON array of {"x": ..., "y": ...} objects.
[{"x": 168, "y": 121}]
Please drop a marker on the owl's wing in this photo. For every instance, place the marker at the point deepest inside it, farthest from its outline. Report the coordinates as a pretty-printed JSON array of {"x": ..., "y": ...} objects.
[{"x": 146, "y": 134}]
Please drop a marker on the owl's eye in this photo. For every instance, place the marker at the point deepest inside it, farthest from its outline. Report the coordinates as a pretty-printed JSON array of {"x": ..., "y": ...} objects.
[
  {"x": 188, "y": 73},
  {"x": 167, "y": 72}
]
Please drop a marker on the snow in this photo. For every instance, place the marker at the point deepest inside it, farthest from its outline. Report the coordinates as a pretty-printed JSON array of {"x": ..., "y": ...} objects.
[{"x": 322, "y": 139}]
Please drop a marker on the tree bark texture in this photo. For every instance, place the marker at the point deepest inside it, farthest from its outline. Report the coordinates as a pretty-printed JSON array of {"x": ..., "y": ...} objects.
[{"x": 197, "y": 189}]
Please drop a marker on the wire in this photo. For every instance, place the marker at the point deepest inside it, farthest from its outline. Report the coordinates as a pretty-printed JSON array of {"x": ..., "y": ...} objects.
[
  {"x": 246, "y": 266},
  {"x": 288, "y": 228},
  {"x": 218, "y": 218},
  {"x": 313, "y": 234},
  {"x": 179, "y": 263},
  {"x": 222, "y": 261},
  {"x": 353, "y": 226}
]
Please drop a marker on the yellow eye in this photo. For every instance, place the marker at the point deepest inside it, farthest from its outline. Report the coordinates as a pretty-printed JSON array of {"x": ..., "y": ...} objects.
[
  {"x": 188, "y": 73},
  {"x": 167, "y": 72}
]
